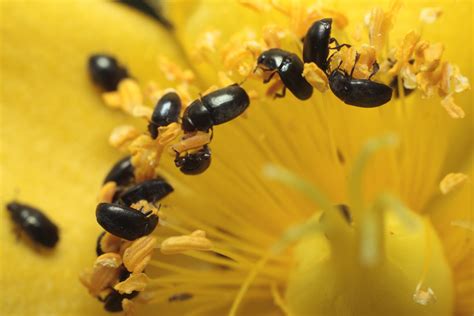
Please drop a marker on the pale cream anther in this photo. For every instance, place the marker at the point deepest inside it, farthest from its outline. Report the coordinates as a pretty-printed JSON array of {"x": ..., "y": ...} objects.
[
  {"x": 168, "y": 134},
  {"x": 174, "y": 72},
  {"x": 452, "y": 181},
  {"x": 137, "y": 256},
  {"x": 130, "y": 94},
  {"x": 430, "y": 15},
  {"x": 104, "y": 273},
  {"x": 144, "y": 206},
  {"x": 206, "y": 42},
  {"x": 315, "y": 76},
  {"x": 454, "y": 110},
  {"x": 194, "y": 142},
  {"x": 178, "y": 244},
  {"x": 424, "y": 297},
  {"x": 135, "y": 282},
  {"x": 110, "y": 243},
  {"x": 469, "y": 225},
  {"x": 142, "y": 112},
  {"x": 109, "y": 260},
  {"x": 122, "y": 136},
  {"x": 129, "y": 308},
  {"x": 107, "y": 192},
  {"x": 273, "y": 35}
]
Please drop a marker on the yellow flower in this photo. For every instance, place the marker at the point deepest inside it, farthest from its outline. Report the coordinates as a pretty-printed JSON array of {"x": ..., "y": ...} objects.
[{"x": 270, "y": 254}]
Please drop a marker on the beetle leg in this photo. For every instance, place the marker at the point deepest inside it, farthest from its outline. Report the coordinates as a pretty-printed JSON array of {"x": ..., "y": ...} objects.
[
  {"x": 338, "y": 46},
  {"x": 212, "y": 133},
  {"x": 375, "y": 69},
  {"x": 330, "y": 57},
  {"x": 17, "y": 232},
  {"x": 282, "y": 94},
  {"x": 355, "y": 62},
  {"x": 270, "y": 77}
]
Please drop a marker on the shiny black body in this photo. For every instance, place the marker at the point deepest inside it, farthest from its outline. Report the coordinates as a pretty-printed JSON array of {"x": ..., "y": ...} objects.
[
  {"x": 194, "y": 163},
  {"x": 125, "y": 222},
  {"x": 166, "y": 111},
  {"x": 150, "y": 190},
  {"x": 106, "y": 72},
  {"x": 358, "y": 92},
  {"x": 290, "y": 69},
  {"x": 121, "y": 173},
  {"x": 34, "y": 223},
  {"x": 215, "y": 108},
  {"x": 316, "y": 43}
]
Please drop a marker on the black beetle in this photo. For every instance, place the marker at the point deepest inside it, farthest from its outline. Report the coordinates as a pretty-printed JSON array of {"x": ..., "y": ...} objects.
[
  {"x": 34, "y": 223},
  {"x": 125, "y": 222},
  {"x": 358, "y": 92},
  {"x": 194, "y": 163},
  {"x": 149, "y": 190},
  {"x": 316, "y": 43},
  {"x": 166, "y": 111},
  {"x": 106, "y": 72},
  {"x": 121, "y": 173},
  {"x": 215, "y": 108},
  {"x": 290, "y": 69}
]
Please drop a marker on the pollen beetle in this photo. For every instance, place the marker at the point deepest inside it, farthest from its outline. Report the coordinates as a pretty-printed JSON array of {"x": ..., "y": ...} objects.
[
  {"x": 166, "y": 112},
  {"x": 194, "y": 163},
  {"x": 215, "y": 108},
  {"x": 316, "y": 44},
  {"x": 121, "y": 173},
  {"x": 290, "y": 69},
  {"x": 34, "y": 223},
  {"x": 358, "y": 92},
  {"x": 106, "y": 72},
  {"x": 125, "y": 222},
  {"x": 150, "y": 190}
]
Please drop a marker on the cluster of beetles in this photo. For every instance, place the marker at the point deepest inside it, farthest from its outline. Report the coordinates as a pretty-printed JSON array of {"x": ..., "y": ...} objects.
[{"x": 119, "y": 218}]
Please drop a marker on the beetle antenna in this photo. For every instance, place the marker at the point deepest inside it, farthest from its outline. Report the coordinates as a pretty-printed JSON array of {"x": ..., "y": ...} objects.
[
  {"x": 355, "y": 62},
  {"x": 375, "y": 69},
  {"x": 212, "y": 134},
  {"x": 243, "y": 81},
  {"x": 255, "y": 69}
]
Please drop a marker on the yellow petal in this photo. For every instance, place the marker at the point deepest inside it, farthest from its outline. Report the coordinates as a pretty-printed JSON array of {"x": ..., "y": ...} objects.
[{"x": 54, "y": 149}]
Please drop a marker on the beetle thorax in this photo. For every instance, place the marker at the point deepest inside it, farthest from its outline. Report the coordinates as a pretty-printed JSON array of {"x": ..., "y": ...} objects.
[{"x": 339, "y": 83}]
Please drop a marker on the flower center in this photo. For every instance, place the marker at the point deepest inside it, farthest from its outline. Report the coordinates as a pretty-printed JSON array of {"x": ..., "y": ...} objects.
[
  {"x": 364, "y": 259},
  {"x": 327, "y": 281}
]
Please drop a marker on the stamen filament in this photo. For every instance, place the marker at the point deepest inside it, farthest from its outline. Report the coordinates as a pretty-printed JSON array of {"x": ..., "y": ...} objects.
[
  {"x": 284, "y": 176},
  {"x": 278, "y": 300},
  {"x": 247, "y": 283},
  {"x": 355, "y": 178},
  {"x": 208, "y": 279}
]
